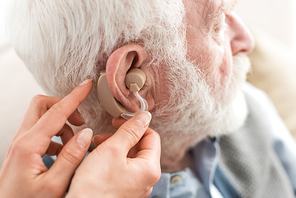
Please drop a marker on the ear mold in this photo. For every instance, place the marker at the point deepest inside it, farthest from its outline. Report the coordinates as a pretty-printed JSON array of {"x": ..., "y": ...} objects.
[{"x": 135, "y": 80}]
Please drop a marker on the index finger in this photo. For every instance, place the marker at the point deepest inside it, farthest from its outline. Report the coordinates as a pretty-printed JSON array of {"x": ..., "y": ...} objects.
[
  {"x": 39, "y": 105},
  {"x": 55, "y": 118}
]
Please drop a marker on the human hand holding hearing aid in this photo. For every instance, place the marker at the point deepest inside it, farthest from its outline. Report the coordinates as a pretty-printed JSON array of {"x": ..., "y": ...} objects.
[
  {"x": 125, "y": 163},
  {"x": 24, "y": 174},
  {"x": 132, "y": 154}
]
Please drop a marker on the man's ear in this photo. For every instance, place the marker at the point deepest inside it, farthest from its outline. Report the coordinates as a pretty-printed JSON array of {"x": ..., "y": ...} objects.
[{"x": 117, "y": 66}]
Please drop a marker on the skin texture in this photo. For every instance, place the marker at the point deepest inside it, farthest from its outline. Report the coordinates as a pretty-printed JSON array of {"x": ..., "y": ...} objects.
[
  {"x": 24, "y": 174},
  {"x": 220, "y": 39}
]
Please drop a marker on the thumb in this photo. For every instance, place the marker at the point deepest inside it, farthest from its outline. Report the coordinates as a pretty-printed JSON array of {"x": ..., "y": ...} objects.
[
  {"x": 70, "y": 157},
  {"x": 130, "y": 133}
]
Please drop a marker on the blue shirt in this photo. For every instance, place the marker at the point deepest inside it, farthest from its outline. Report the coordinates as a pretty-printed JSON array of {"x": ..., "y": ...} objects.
[{"x": 184, "y": 183}]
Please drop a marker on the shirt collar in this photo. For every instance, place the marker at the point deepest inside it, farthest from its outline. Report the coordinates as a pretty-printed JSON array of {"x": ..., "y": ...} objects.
[{"x": 206, "y": 156}]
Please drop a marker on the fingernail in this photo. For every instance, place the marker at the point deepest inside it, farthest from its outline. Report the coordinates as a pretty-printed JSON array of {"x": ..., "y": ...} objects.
[
  {"x": 143, "y": 118},
  {"x": 84, "y": 137},
  {"x": 85, "y": 82}
]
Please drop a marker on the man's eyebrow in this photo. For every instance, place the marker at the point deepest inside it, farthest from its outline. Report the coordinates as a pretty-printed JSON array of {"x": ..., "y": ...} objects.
[
  {"x": 229, "y": 5},
  {"x": 213, "y": 10}
]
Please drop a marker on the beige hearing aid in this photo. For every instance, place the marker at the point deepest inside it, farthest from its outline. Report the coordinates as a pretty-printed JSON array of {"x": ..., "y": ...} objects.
[{"x": 134, "y": 80}]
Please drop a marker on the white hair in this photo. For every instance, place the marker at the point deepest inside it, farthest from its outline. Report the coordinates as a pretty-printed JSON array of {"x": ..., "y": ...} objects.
[
  {"x": 65, "y": 42},
  {"x": 195, "y": 111},
  {"x": 70, "y": 40}
]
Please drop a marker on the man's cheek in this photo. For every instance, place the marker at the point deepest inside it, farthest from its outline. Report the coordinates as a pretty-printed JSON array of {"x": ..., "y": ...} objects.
[
  {"x": 226, "y": 64},
  {"x": 226, "y": 70}
]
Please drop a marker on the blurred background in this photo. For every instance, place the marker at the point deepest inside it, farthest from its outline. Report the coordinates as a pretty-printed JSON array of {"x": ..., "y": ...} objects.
[
  {"x": 3, "y": 6},
  {"x": 273, "y": 23},
  {"x": 275, "y": 17}
]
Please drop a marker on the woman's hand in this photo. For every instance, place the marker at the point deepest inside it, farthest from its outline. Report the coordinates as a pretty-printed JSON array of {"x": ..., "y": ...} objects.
[
  {"x": 23, "y": 173},
  {"x": 125, "y": 164}
]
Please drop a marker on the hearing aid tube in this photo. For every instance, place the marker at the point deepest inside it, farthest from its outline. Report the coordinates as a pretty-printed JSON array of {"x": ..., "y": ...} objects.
[{"x": 143, "y": 107}]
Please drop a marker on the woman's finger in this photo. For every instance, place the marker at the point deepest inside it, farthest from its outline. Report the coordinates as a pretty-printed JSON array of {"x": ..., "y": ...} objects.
[
  {"x": 99, "y": 139},
  {"x": 117, "y": 122},
  {"x": 149, "y": 146},
  {"x": 130, "y": 133},
  {"x": 76, "y": 118},
  {"x": 70, "y": 158},
  {"x": 39, "y": 105},
  {"x": 55, "y": 118},
  {"x": 66, "y": 133},
  {"x": 54, "y": 149},
  {"x": 149, "y": 192}
]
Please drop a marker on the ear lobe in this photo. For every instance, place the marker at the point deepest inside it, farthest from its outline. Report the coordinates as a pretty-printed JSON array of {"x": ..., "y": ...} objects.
[{"x": 118, "y": 64}]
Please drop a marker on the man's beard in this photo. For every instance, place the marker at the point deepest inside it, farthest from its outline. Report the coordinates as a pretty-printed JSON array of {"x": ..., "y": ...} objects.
[
  {"x": 191, "y": 113},
  {"x": 195, "y": 111}
]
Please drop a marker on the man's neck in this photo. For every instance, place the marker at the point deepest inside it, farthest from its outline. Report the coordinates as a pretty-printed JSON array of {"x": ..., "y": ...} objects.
[
  {"x": 176, "y": 152},
  {"x": 185, "y": 162}
]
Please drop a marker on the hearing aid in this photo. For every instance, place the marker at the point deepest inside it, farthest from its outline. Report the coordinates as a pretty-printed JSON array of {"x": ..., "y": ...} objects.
[{"x": 134, "y": 81}]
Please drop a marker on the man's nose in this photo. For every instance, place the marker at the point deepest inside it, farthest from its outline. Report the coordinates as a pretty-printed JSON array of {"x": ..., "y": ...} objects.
[{"x": 241, "y": 38}]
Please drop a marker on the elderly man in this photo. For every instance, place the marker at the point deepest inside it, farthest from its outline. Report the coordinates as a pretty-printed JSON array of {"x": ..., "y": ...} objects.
[{"x": 220, "y": 137}]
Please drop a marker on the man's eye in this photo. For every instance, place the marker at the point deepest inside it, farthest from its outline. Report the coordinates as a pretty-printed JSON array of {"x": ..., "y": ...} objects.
[
  {"x": 221, "y": 24},
  {"x": 220, "y": 27}
]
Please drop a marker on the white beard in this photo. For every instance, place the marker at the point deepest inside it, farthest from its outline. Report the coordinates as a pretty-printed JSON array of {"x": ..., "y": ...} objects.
[{"x": 193, "y": 112}]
